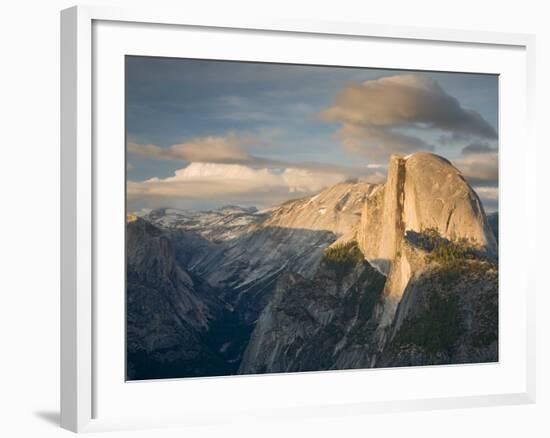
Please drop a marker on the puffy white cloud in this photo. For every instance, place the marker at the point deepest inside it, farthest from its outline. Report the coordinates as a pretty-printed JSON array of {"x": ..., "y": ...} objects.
[
  {"x": 234, "y": 149},
  {"x": 233, "y": 183},
  {"x": 375, "y": 114}
]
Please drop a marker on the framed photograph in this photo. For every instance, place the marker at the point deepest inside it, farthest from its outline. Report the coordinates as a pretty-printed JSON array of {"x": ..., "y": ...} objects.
[{"x": 282, "y": 218}]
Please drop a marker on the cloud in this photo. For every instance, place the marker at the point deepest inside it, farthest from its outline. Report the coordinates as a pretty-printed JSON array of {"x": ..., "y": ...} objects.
[
  {"x": 374, "y": 115},
  {"x": 478, "y": 148},
  {"x": 487, "y": 193},
  {"x": 263, "y": 108},
  {"x": 235, "y": 149},
  {"x": 481, "y": 171},
  {"x": 479, "y": 168},
  {"x": 489, "y": 197},
  {"x": 377, "y": 166},
  {"x": 231, "y": 148},
  {"x": 232, "y": 183},
  {"x": 378, "y": 143}
]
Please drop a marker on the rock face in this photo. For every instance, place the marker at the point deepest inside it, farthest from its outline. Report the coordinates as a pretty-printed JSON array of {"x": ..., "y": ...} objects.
[
  {"x": 246, "y": 266},
  {"x": 335, "y": 210},
  {"x": 321, "y": 323},
  {"x": 198, "y": 281},
  {"x": 336, "y": 320},
  {"x": 422, "y": 192},
  {"x": 293, "y": 237},
  {"x": 357, "y": 276},
  {"x": 161, "y": 299},
  {"x": 448, "y": 315},
  {"x": 426, "y": 234},
  {"x": 172, "y": 316}
]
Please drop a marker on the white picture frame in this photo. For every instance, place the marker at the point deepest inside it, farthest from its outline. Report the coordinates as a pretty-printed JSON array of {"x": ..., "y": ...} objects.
[{"x": 83, "y": 370}]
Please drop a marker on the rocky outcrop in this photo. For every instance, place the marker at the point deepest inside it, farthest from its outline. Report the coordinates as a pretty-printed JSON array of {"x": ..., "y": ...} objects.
[
  {"x": 423, "y": 192},
  {"x": 169, "y": 312},
  {"x": 321, "y": 323},
  {"x": 151, "y": 260},
  {"x": 449, "y": 309},
  {"x": 336, "y": 210},
  {"x": 427, "y": 235},
  {"x": 448, "y": 313}
]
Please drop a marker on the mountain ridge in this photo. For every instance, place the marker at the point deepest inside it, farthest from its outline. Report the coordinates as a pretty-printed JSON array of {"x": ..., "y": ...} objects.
[{"x": 266, "y": 265}]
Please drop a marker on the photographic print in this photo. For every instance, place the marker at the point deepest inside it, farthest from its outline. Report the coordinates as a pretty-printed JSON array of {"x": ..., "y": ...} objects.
[{"x": 292, "y": 218}]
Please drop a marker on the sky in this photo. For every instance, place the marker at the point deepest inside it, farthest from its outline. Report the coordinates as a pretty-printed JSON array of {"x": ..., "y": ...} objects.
[{"x": 201, "y": 134}]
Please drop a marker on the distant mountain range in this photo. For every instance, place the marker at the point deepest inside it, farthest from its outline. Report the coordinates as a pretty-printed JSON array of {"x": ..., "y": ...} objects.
[{"x": 360, "y": 275}]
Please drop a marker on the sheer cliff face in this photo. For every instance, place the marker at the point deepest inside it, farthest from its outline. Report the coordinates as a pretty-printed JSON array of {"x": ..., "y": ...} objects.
[{"x": 422, "y": 191}]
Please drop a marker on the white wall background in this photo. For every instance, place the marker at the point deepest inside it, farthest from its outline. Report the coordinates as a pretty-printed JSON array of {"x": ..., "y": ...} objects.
[{"x": 29, "y": 216}]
